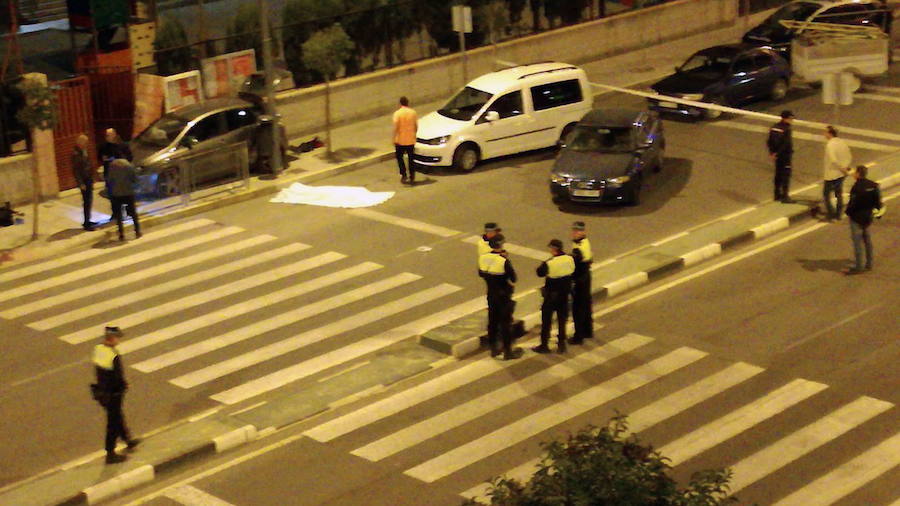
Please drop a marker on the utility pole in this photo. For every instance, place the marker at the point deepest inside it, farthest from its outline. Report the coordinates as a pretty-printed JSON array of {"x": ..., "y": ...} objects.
[{"x": 271, "y": 110}]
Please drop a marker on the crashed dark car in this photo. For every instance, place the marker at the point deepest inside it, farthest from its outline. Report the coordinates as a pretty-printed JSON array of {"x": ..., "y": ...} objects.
[
  {"x": 606, "y": 156},
  {"x": 728, "y": 75}
]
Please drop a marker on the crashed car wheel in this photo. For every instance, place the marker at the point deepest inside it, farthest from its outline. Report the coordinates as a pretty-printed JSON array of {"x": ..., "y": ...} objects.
[{"x": 168, "y": 183}]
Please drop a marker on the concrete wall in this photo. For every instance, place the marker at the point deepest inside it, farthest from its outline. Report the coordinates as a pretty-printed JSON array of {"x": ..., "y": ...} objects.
[
  {"x": 372, "y": 94},
  {"x": 15, "y": 178}
]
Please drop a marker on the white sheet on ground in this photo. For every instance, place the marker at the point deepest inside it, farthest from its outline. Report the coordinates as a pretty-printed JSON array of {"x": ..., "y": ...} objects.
[{"x": 331, "y": 196}]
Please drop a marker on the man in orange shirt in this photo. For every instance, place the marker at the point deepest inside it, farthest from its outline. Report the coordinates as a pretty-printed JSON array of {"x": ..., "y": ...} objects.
[{"x": 405, "y": 124}]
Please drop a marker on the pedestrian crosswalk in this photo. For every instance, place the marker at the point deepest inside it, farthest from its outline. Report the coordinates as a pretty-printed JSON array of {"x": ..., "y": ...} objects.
[
  {"x": 502, "y": 411},
  {"x": 218, "y": 307}
]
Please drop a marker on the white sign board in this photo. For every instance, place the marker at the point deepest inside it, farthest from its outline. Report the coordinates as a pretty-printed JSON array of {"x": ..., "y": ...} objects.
[
  {"x": 462, "y": 19},
  {"x": 224, "y": 74},
  {"x": 182, "y": 89}
]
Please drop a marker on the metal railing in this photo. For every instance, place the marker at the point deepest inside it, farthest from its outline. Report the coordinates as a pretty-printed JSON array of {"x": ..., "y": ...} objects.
[{"x": 200, "y": 170}]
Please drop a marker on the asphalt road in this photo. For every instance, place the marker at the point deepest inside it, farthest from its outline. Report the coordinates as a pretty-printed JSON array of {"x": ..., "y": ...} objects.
[
  {"x": 411, "y": 246},
  {"x": 795, "y": 388}
]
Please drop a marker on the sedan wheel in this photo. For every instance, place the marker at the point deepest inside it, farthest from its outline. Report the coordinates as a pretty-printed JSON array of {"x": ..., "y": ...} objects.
[
  {"x": 465, "y": 158},
  {"x": 779, "y": 89},
  {"x": 168, "y": 183},
  {"x": 713, "y": 113}
]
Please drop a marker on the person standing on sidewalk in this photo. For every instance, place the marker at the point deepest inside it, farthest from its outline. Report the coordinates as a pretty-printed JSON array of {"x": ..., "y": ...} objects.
[
  {"x": 865, "y": 198},
  {"x": 781, "y": 149},
  {"x": 500, "y": 277},
  {"x": 113, "y": 149},
  {"x": 84, "y": 177},
  {"x": 581, "y": 285},
  {"x": 121, "y": 183},
  {"x": 837, "y": 166},
  {"x": 491, "y": 230},
  {"x": 557, "y": 271},
  {"x": 406, "y": 122},
  {"x": 109, "y": 392}
]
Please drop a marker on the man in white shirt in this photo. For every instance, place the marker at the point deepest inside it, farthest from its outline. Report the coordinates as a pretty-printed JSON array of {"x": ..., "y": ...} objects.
[{"x": 837, "y": 165}]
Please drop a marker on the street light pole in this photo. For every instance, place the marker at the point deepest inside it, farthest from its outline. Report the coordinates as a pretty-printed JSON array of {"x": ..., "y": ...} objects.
[{"x": 271, "y": 110}]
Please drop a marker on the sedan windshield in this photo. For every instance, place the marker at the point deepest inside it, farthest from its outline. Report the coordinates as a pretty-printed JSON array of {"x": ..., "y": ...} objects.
[
  {"x": 799, "y": 11},
  {"x": 706, "y": 64},
  {"x": 465, "y": 104},
  {"x": 163, "y": 131},
  {"x": 600, "y": 139}
]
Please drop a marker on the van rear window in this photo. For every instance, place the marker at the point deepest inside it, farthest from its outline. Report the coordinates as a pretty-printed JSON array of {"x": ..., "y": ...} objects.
[{"x": 547, "y": 96}]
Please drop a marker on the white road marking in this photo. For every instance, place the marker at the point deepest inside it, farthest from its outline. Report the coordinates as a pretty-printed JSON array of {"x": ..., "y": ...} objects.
[
  {"x": 73, "y": 258},
  {"x": 417, "y": 225},
  {"x": 515, "y": 249},
  {"x": 848, "y": 477},
  {"x": 885, "y": 89},
  {"x": 193, "y": 496},
  {"x": 112, "y": 265},
  {"x": 260, "y": 327},
  {"x": 309, "y": 367},
  {"x": 87, "y": 290},
  {"x": 281, "y": 378},
  {"x": 739, "y": 420},
  {"x": 808, "y": 136},
  {"x": 491, "y": 401},
  {"x": 259, "y": 355},
  {"x": 655, "y": 412},
  {"x": 830, "y": 328},
  {"x": 873, "y": 96},
  {"x": 668, "y": 239},
  {"x": 549, "y": 417},
  {"x": 206, "y": 296},
  {"x": 169, "y": 286},
  {"x": 790, "y": 448}
]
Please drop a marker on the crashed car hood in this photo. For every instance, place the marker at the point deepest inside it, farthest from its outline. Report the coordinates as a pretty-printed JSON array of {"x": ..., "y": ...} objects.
[
  {"x": 681, "y": 83},
  {"x": 592, "y": 165}
]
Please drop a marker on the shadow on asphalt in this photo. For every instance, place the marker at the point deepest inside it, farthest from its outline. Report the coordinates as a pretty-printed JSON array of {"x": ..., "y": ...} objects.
[
  {"x": 823, "y": 264},
  {"x": 502, "y": 162},
  {"x": 656, "y": 191},
  {"x": 344, "y": 154},
  {"x": 66, "y": 234}
]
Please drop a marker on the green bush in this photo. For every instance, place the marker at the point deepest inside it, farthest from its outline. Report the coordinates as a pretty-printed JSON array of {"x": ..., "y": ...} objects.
[
  {"x": 600, "y": 466},
  {"x": 172, "y": 53},
  {"x": 302, "y": 18}
]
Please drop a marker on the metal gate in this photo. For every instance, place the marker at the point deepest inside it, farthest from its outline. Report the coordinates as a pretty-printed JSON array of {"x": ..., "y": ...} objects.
[
  {"x": 75, "y": 118},
  {"x": 112, "y": 94}
]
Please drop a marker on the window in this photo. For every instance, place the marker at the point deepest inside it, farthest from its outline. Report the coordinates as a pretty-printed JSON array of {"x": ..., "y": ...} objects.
[
  {"x": 208, "y": 127},
  {"x": 239, "y": 118},
  {"x": 547, "y": 96},
  {"x": 465, "y": 104},
  {"x": 508, "y": 105},
  {"x": 744, "y": 64}
]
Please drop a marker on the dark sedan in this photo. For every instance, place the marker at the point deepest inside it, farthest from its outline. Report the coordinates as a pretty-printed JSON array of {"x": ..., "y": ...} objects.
[
  {"x": 606, "y": 156},
  {"x": 727, "y": 75}
]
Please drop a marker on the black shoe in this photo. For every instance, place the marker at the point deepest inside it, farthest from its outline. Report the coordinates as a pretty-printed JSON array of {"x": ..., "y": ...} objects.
[
  {"x": 512, "y": 354},
  {"x": 853, "y": 271},
  {"x": 121, "y": 238},
  {"x": 868, "y": 267},
  {"x": 576, "y": 340},
  {"x": 115, "y": 458},
  {"x": 561, "y": 348},
  {"x": 495, "y": 353},
  {"x": 403, "y": 180},
  {"x": 133, "y": 444},
  {"x": 138, "y": 234},
  {"x": 88, "y": 228},
  {"x": 542, "y": 348}
]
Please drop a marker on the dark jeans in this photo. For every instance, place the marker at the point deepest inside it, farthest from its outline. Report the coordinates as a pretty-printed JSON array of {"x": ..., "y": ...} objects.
[
  {"x": 834, "y": 187},
  {"x": 130, "y": 207},
  {"x": 499, "y": 319},
  {"x": 861, "y": 240},
  {"x": 554, "y": 302},
  {"x": 87, "y": 199},
  {"x": 115, "y": 423},
  {"x": 782, "y": 178},
  {"x": 399, "y": 151},
  {"x": 581, "y": 307}
]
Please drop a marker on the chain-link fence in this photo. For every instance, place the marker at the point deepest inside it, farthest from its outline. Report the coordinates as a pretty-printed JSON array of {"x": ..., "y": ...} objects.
[{"x": 385, "y": 32}]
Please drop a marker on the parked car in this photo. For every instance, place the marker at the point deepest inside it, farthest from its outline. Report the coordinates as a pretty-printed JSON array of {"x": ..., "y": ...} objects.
[
  {"x": 199, "y": 132},
  {"x": 771, "y": 33},
  {"x": 727, "y": 75},
  {"x": 606, "y": 156},
  {"x": 509, "y": 111}
]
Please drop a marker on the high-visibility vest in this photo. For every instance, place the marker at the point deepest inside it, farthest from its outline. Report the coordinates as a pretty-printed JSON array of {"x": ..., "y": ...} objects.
[
  {"x": 560, "y": 266},
  {"x": 492, "y": 263},
  {"x": 104, "y": 356},
  {"x": 587, "y": 255},
  {"x": 483, "y": 247}
]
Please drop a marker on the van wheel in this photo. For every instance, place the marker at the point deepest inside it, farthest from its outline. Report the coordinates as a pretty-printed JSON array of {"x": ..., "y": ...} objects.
[
  {"x": 465, "y": 158},
  {"x": 168, "y": 183},
  {"x": 779, "y": 89}
]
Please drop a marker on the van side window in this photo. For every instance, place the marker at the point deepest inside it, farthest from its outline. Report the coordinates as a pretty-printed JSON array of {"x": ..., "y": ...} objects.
[
  {"x": 547, "y": 96},
  {"x": 508, "y": 105}
]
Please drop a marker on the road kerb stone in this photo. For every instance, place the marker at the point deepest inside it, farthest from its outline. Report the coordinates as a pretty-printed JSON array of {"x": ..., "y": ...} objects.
[
  {"x": 115, "y": 486},
  {"x": 699, "y": 255},
  {"x": 235, "y": 438}
]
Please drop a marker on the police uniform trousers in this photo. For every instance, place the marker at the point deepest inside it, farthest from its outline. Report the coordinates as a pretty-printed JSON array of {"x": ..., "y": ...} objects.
[
  {"x": 782, "y": 177},
  {"x": 499, "y": 321},
  {"x": 115, "y": 422},
  {"x": 555, "y": 301},
  {"x": 581, "y": 306}
]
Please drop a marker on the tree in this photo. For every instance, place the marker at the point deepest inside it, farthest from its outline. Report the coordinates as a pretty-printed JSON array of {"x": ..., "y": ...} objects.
[
  {"x": 516, "y": 8},
  {"x": 301, "y": 19},
  {"x": 324, "y": 52},
  {"x": 603, "y": 466},
  {"x": 172, "y": 53},
  {"x": 39, "y": 112},
  {"x": 535, "y": 6},
  {"x": 245, "y": 32}
]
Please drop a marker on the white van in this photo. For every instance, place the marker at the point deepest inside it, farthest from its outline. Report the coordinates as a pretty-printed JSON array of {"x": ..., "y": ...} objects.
[{"x": 504, "y": 112}]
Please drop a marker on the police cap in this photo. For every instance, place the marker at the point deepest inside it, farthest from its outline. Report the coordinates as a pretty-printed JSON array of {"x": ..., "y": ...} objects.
[
  {"x": 578, "y": 225},
  {"x": 786, "y": 114},
  {"x": 491, "y": 227}
]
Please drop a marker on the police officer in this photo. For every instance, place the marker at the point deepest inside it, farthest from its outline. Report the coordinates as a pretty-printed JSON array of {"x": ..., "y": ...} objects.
[
  {"x": 781, "y": 149},
  {"x": 109, "y": 391},
  {"x": 490, "y": 230},
  {"x": 581, "y": 285},
  {"x": 558, "y": 271},
  {"x": 500, "y": 277}
]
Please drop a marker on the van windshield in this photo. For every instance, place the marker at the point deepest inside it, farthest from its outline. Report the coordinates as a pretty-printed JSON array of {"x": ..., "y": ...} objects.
[
  {"x": 465, "y": 104},
  {"x": 795, "y": 11},
  {"x": 161, "y": 133},
  {"x": 600, "y": 139}
]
